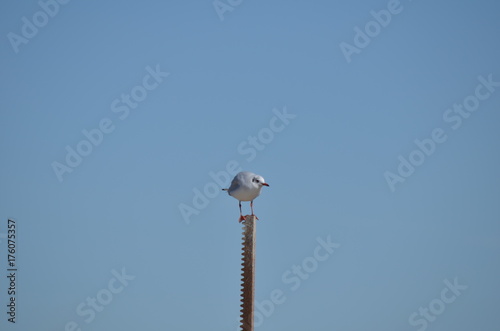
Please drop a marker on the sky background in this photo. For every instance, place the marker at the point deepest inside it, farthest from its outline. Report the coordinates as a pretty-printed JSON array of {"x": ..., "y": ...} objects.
[{"x": 119, "y": 210}]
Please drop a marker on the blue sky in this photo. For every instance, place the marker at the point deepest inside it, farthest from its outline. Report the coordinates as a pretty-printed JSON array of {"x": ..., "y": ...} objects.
[{"x": 382, "y": 211}]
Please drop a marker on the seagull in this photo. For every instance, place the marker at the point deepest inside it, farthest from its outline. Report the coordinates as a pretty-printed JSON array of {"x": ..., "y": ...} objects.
[{"x": 246, "y": 186}]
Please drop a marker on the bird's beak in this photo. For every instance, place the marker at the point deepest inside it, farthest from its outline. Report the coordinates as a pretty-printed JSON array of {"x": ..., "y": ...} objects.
[{"x": 265, "y": 184}]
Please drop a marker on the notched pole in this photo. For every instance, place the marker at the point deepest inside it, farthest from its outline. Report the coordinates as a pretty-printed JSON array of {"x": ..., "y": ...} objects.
[{"x": 248, "y": 273}]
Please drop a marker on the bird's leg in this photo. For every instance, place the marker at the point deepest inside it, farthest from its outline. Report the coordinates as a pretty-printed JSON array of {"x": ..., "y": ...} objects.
[
  {"x": 242, "y": 218},
  {"x": 251, "y": 207}
]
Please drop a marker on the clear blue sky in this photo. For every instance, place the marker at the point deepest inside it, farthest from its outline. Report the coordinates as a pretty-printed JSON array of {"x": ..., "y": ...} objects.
[{"x": 114, "y": 115}]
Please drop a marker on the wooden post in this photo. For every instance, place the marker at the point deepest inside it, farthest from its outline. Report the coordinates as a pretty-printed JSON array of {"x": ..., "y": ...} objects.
[{"x": 248, "y": 274}]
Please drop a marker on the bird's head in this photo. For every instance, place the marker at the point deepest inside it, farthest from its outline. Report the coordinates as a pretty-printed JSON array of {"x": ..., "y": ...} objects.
[{"x": 259, "y": 181}]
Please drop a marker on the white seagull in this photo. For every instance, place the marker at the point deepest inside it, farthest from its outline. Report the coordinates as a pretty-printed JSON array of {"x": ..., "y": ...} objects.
[{"x": 246, "y": 186}]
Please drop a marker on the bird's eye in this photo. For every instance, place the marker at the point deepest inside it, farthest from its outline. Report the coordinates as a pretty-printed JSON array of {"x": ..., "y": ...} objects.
[{"x": 255, "y": 180}]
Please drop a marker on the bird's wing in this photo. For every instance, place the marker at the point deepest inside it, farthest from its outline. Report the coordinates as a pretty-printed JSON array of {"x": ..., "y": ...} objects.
[{"x": 235, "y": 184}]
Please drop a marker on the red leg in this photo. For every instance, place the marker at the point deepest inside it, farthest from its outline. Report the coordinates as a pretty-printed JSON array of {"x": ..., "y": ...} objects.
[
  {"x": 251, "y": 206},
  {"x": 242, "y": 218}
]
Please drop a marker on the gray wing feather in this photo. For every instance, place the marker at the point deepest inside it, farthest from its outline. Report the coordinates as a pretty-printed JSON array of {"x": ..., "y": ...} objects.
[{"x": 234, "y": 186}]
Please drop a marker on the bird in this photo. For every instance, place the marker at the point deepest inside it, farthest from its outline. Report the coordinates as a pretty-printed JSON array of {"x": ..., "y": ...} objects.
[{"x": 246, "y": 186}]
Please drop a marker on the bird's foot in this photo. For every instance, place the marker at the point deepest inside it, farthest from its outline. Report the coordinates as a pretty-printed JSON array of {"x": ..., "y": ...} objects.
[{"x": 242, "y": 218}]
